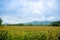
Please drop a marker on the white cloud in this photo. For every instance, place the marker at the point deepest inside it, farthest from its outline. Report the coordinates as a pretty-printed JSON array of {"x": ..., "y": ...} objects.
[
  {"x": 41, "y": 18},
  {"x": 8, "y": 19},
  {"x": 36, "y": 11},
  {"x": 31, "y": 5},
  {"x": 51, "y": 3},
  {"x": 25, "y": 8},
  {"x": 51, "y": 18}
]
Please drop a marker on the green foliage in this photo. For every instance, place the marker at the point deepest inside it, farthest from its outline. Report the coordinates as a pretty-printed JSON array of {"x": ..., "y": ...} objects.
[
  {"x": 15, "y": 24},
  {"x": 56, "y": 23},
  {"x": 5, "y": 35},
  {"x": 30, "y": 24},
  {"x": 36, "y": 36},
  {"x": 0, "y": 21}
]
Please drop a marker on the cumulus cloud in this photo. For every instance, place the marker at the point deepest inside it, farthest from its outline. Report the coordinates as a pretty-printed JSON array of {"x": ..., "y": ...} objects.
[
  {"x": 17, "y": 11},
  {"x": 51, "y": 18}
]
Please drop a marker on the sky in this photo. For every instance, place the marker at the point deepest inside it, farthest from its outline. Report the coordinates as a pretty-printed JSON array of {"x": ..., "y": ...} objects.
[{"x": 22, "y": 11}]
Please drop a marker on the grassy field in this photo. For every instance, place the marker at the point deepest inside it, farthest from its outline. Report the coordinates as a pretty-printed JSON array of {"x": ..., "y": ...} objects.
[{"x": 29, "y": 33}]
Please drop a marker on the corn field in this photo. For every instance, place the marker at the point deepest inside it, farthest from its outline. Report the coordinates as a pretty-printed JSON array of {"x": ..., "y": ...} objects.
[{"x": 29, "y": 33}]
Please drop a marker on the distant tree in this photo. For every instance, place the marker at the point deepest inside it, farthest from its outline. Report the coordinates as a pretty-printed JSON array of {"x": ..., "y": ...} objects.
[
  {"x": 56, "y": 23},
  {"x": 20, "y": 24},
  {"x": 30, "y": 24},
  {"x": 0, "y": 21}
]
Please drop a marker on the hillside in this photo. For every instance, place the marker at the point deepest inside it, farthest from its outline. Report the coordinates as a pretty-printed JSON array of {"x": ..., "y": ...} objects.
[{"x": 40, "y": 22}]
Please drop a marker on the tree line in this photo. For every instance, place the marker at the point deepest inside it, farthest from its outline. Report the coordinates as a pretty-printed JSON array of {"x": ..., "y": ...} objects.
[{"x": 55, "y": 23}]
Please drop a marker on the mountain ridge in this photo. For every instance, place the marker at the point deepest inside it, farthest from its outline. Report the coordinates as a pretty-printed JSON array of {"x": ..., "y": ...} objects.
[{"x": 40, "y": 22}]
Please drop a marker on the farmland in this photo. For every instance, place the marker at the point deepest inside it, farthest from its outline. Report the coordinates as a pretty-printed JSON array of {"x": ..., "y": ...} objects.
[{"x": 29, "y": 33}]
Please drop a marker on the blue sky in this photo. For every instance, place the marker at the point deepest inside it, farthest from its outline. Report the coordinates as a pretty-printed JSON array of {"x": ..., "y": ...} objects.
[{"x": 21, "y": 11}]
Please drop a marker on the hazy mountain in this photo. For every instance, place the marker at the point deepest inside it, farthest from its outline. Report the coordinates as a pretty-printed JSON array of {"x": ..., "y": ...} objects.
[{"x": 40, "y": 22}]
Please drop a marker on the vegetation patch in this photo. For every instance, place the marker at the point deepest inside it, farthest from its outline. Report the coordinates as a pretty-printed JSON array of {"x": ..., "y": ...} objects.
[{"x": 29, "y": 33}]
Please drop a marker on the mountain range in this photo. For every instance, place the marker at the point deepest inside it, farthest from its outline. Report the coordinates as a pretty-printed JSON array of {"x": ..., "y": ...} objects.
[{"x": 40, "y": 22}]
